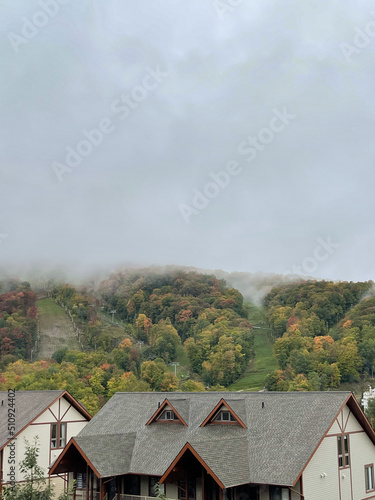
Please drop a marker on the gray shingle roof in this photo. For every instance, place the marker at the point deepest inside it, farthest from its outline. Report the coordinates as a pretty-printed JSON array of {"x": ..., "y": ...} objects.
[
  {"x": 119, "y": 457},
  {"x": 273, "y": 449},
  {"x": 28, "y": 405}
]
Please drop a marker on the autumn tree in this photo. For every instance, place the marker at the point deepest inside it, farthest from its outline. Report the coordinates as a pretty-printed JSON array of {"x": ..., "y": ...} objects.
[{"x": 153, "y": 373}]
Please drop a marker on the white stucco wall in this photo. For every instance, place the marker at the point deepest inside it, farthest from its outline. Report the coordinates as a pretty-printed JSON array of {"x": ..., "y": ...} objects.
[
  {"x": 41, "y": 427},
  {"x": 340, "y": 483}
]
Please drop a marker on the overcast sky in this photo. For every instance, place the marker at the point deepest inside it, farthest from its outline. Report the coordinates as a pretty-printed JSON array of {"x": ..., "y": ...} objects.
[{"x": 279, "y": 95}]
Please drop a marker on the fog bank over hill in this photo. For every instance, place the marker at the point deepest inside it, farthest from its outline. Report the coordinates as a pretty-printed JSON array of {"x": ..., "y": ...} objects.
[{"x": 253, "y": 286}]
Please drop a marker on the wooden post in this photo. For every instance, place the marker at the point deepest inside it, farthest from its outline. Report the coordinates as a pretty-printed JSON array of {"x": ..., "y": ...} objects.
[
  {"x": 1, "y": 473},
  {"x": 101, "y": 495},
  {"x": 75, "y": 489},
  {"x": 87, "y": 481},
  {"x": 92, "y": 479},
  {"x": 203, "y": 487}
]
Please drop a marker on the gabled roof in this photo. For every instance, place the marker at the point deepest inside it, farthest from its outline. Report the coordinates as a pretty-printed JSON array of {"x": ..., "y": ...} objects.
[
  {"x": 223, "y": 404},
  {"x": 162, "y": 407},
  {"x": 29, "y": 405},
  {"x": 235, "y": 455},
  {"x": 103, "y": 454}
]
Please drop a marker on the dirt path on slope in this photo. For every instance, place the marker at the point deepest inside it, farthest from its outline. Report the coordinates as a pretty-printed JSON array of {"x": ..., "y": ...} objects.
[{"x": 55, "y": 329}]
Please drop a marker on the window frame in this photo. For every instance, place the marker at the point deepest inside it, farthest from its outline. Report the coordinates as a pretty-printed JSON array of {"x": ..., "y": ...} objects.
[
  {"x": 218, "y": 418},
  {"x": 56, "y": 438},
  {"x": 81, "y": 482},
  {"x": 343, "y": 451},
  {"x": 62, "y": 435},
  {"x": 367, "y": 467},
  {"x": 163, "y": 417},
  {"x": 191, "y": 483},
  {"x": 54, "y": 435}
]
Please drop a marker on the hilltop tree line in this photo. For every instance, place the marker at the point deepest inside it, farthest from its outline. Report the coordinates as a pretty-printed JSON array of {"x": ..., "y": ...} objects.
[{"x": 322, "y": 336}]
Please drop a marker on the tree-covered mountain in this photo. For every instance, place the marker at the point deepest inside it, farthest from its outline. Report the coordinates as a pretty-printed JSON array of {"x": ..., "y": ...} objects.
[
  {"x": 197, "y": 310},
  {"x": 159, "y": 318},
  {"x": 135, "y": 323},
  {"x": 312, "y": 353}
]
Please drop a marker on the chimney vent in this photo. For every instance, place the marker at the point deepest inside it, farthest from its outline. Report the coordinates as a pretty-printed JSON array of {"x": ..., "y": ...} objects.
[{"x": 262, "y": 404}]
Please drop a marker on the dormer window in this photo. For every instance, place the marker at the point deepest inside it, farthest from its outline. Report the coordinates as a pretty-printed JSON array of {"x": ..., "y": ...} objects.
[
  {"x": 224, "y": 416},
  {"x": 165, "y": 413},
  {"x": 168, "y": 415}
]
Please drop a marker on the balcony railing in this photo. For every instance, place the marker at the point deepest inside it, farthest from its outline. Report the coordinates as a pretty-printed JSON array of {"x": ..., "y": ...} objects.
[
  {"x": 135, "y": 497},
  {"x": 81, "y": 495}
]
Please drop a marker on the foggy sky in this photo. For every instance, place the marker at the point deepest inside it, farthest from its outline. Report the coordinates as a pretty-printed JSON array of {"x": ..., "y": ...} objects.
[{"x": 179, "y": 86}]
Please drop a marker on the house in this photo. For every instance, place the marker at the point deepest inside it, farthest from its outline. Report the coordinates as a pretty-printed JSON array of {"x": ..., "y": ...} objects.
[
  {"x": 53, "y": 416},
  {"x": 367, "y": 395},
  {"x": 224, "y": 446}
]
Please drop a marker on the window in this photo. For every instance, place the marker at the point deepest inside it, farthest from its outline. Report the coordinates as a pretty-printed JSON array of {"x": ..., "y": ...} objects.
[
  {"x": 58, "y": 435},
  {"x": 224, "y": 416},
  {"x": 81, "y": 480},
  {"x": 53, "y": 435},
  {"x": 182, "y": 490},
  {"x": 343, "y": 450},
  {"x": 369, "y": 477},
  {"x": 277, "y": 493},
  {"x": 168, "y": 415},
  {"x": 62, "y": 437}
]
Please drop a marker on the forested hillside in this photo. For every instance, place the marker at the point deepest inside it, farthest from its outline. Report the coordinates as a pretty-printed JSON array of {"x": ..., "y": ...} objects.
[
  {"x": 312, "y": 352},
  {"x": 197, "y": 310},
  {"x": 157, "y": 319},
  {"x": 126, "y": 332}
]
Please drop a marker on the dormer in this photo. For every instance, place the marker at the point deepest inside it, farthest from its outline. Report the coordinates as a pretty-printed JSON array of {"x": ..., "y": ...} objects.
[
  {"x": 166, "y": 413},
  {"x": 223, "y": 414}
]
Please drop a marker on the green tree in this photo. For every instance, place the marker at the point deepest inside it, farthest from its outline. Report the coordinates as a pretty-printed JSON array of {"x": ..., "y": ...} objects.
[
  {"x": 367, "y": 351},
  {"x": 153, "y": 373},
  {"x": 192, "y": 386},
  {"x": 169, "y": 383},
  {"x": 349, "y": 361},
  {"x": 128, "y": 382},
  {"x": 35, "y": 485},
  {"x": 167, "y": 341},
  {"x": 225, "y": 363}
]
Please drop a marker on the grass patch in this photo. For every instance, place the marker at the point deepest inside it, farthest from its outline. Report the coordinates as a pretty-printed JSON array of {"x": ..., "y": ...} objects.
[
  {"x": 264, "y": 362},
  {"x": 48, "y": 307},
  {"x": 182, "y": 370}
]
